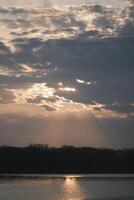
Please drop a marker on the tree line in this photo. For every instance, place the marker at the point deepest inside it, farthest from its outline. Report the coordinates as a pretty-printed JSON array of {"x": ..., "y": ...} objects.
[{"x": 40, "y": 159}]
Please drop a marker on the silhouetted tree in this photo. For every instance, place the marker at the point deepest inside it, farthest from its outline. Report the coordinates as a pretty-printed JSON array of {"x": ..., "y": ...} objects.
[{"x": 38, "y": 158}]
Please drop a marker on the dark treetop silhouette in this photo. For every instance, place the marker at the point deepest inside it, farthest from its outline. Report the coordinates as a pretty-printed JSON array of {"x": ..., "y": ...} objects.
[{"x": 66, "y": 159}]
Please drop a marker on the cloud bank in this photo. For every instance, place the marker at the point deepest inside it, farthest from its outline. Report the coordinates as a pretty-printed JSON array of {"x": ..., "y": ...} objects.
[{"x": 66, "y": 75}]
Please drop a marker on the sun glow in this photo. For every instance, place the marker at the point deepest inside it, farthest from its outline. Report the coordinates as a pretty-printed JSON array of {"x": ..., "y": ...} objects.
[
  {"x": 80, "y": 81},
  {"x": 67, "y": 89},
  {"x": 35, "y": 91},
  {"x": 70, "y": 180}
]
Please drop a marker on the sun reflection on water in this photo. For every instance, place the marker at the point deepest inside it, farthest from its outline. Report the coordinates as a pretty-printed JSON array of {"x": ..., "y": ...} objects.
[{"x": 72, "y": 189}]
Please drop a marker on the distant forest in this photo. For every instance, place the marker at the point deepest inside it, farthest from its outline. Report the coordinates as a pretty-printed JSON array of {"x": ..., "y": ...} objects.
[{"x": 67, "y": 159}]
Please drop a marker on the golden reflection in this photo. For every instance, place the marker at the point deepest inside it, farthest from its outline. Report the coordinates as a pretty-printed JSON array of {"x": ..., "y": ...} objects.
[{"x": 72, "y": 189}]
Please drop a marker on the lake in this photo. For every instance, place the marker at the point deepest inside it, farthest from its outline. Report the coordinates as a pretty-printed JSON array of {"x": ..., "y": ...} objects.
[{"x": 67, "y": 187}]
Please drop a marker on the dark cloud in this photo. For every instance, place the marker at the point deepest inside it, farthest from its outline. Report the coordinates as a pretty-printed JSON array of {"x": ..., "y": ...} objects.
[
  {"x": 12, "y": 10},
  {"x": 92, "y": 43},
  {"x": 122, "y": 108},
  {"x": 128, "y": 29},
  {"x": 104, "y": 22},
  {"x": 113, "y": 68},
  {"x": 97, "y": 9}
]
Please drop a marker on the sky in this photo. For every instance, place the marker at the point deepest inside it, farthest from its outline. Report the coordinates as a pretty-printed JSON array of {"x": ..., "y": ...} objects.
[{"x": 67, "y": 73}]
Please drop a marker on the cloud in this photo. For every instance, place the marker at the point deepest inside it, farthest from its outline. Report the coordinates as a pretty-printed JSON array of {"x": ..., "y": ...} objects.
[
  {"x": 67, "y": 89},
  {"x": 70, "y": 66},
  {"x": 6, "y": 96},
  {"x": 77, "y": 59},
  {"x": 85, "y": 82}
]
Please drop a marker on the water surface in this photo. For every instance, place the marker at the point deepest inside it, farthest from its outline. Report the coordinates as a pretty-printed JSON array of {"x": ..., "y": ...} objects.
[{"x": 67, "y": 187}]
